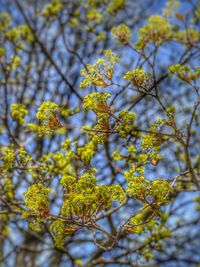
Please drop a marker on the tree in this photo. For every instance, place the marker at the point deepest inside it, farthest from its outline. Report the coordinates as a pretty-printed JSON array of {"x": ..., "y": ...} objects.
[{"x": 99, "y": 156}]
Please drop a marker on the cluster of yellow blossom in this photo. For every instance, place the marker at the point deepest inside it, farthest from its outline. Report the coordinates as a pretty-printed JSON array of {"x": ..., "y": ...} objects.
[
  {"x": 18, "y": 112},
  {"x": 138, "y": 77},
  {"x": 100, "y": 73},
  {"x": 122, "y": 33},
  {"x": 185, "y": 73}
]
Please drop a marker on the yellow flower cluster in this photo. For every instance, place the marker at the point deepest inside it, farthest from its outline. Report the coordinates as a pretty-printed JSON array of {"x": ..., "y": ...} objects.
[
  {"x": 188, "y": 36},
  {"x": 18, "y": 112},
  {"x": 138, "y": 77},
  {"x": 155, "y": 31},
  {"x": 138, "y": 222},
  {"x": 7, "y": 157},
  {"x": 60, "y": 229},
  {"x": 87, "y": 152},
  {"x": 185, "y": 73},
  {"x": 155, "y": 193},
  {"x": 151, "y": 142},
  {"x": 47, "y": 116},
  {"x": 85, "y": 198},
  {"x": 122, "y": 33},
  {"x": 5, "y": 21},
  {"x": 36, "y": 200},
  {"x": 115, "y": 5},
  {"x": 100, "y": 73},
  {"x": 45, "y": 109},
  {"x": 52, "y": 9},
  {"x": 23, "y": 157},
  {"x": 13, "y": 63},
  {"x": 21, "y": 32},
  {"x": 126, "y": 123},
  {"x": 96, "y": 102},
  {"x": 94, "y": 15}
]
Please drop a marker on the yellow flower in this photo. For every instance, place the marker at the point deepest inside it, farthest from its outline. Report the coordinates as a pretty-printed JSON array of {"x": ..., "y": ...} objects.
[
  {"x": 122, "y": 33},
  {"x": 100, "y": 73}
]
